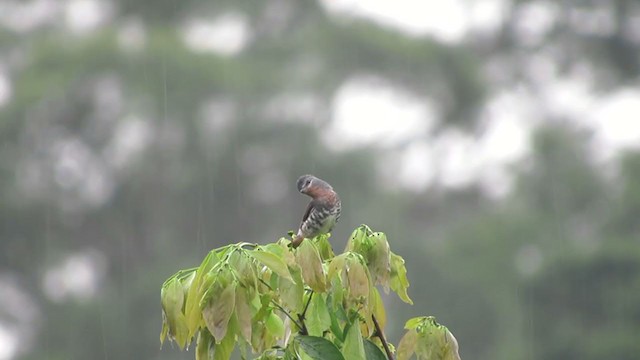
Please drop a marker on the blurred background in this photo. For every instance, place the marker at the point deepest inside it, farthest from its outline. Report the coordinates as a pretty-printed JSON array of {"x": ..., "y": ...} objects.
[{"x": 496, "y": 142}]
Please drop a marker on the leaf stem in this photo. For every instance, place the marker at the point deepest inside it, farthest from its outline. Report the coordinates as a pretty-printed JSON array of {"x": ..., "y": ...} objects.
[{"x": 380, "y": 335}]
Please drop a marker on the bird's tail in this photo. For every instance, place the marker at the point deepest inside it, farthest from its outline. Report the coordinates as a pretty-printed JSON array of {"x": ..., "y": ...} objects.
[{"x": 297, "y": 240}]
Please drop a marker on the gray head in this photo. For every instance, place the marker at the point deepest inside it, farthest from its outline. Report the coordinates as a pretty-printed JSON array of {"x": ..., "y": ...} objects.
[{"x": 307, "y": 183}]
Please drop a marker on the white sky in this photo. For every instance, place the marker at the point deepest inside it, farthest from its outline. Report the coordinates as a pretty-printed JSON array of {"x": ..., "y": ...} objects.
[
  {"x": 8, "y": 343},
  {"x": 367, "y": 111},
  {"x": 447, "y": 21},
  {"x": 226, "y": 34}
]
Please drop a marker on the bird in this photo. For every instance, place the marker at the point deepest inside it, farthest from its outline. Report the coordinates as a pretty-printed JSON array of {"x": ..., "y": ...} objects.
[{"x": 322, "y": 213}]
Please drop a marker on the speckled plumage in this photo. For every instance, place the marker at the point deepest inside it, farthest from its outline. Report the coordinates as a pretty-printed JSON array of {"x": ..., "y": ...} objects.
[{"x": 322, "y": 213}]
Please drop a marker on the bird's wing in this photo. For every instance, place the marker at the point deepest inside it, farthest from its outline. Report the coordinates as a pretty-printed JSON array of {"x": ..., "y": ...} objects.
[{"x": 311, "y": 205}]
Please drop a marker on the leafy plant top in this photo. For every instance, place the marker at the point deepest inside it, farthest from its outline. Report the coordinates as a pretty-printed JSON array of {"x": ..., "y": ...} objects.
[{"x": 276, "y": 302}]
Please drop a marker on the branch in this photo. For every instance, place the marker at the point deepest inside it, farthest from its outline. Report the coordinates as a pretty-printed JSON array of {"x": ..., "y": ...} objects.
[{"x": 380, "y": 335}]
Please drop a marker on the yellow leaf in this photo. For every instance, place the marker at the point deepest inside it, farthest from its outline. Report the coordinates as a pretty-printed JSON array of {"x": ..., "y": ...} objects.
[
  {"x": 378, "y": 307},
  {"x": 218, "y": 310},
  {"x": 165, "y": 328},
  {"x": 379, "y": 260},
  {"x": 243, "y": 311},
  {"x": 452, "y": 351},
  {"x": 358, "y": 281},
  {"x": 308, "y": 258},
  {"x": 336, "y": 266}
]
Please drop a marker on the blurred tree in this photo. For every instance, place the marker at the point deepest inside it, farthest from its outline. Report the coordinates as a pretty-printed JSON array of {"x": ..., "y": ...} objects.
[{"x": 127, "y": 145}]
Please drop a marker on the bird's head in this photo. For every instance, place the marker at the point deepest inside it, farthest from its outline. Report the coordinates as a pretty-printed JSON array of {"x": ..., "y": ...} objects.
[{"x": 311, "y": 185}]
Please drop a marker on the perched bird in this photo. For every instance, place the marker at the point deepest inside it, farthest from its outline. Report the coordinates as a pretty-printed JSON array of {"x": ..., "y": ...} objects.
[{"x": 322, "y": 212}]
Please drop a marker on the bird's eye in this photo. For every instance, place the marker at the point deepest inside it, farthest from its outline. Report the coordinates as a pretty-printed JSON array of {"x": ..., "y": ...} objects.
[{"x": 307, "y": 183}]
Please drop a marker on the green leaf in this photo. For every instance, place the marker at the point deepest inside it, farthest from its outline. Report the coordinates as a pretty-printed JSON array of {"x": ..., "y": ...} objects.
[
  {"x": 372, "y": 351},
  {"x": 224, "y": 349},
  {"x": 204, "y": 345},
  {"x": 324, "y": 247},
  {"x": 407, "y": 345},
  {"x": 379, "y": 260},
  {"x": 290, "y": 352},
  {"x": 353, "y": 347},
  {"x": 275, "y": 325},
  {"x": 275, "y": 249},
  {"x": 263, "y": 332},
  {"x": 358, "y": 236},
  {"x": 374, "y": 248},
  {"x": 272, "y": 261},
  {"x": 317, "y": 318},
  {"x": 192, "y": 311},
  {"x": 414, "y": 322},
  {"x": 399, "y": 281},
  {"x": 265, "y": 307},
  {"x": 172, "y": 299},
  {"x": 308, "y": 258},
  {"x": 165, "y": 329},
  {"x": 377, "y": 307},
  {"x": 274, "y": 280},
  {"x": 318, "y": 348},
  {"x": 336, "y": 313},
  {"x": 291, "y": 292},
  {"x": 435, "y": 342}
]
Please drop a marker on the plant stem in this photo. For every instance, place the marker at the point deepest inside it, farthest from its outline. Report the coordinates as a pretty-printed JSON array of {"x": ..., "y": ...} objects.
[
  {"x": 265, "y": 284},
  {"x": 300, "y": 326},
  {"x": 303, "y": 329},
  {"x": 380, "y": 335},
  {"x": 304, "y": 312}
]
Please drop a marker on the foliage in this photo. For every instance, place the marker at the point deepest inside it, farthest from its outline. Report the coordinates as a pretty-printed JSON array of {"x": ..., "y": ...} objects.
[{"x": 304, "y": 303}]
